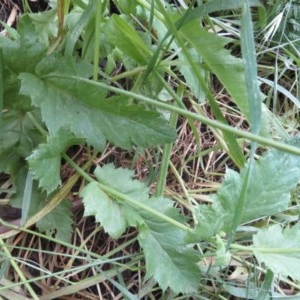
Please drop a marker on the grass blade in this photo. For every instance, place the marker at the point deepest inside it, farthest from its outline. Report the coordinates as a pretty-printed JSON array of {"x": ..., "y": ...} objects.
[
  {"x": 190, "y": 15},
  {"x": 26, "y": 198},
  {"x": 1, "y": 86},
  {"x": 74, "y": 35},
  {"x": 232, "y": 146},
  {"x": 254, "y": 100},
  {"x": 266, "y": 286},
  {"x": 250, "y": 64}
]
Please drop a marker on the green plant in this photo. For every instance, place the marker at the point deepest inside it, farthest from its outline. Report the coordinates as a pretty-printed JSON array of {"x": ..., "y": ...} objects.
[{"x": 56, "y": 96}]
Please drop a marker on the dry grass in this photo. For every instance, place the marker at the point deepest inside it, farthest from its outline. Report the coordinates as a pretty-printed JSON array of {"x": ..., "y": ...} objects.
[{"x": 9, "y": 11}]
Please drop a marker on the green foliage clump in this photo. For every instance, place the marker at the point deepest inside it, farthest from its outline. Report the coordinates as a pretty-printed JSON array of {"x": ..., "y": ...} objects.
[{"x": 59, "y": 90}]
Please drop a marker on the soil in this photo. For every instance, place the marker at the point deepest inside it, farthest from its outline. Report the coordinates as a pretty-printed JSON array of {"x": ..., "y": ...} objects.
[{"x": 11, "y": 9}]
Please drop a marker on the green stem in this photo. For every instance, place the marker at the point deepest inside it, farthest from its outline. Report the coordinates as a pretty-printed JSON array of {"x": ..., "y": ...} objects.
[
  {"x": 213, "y": 123},
  {"x": 157, "y": 14},
  {"x": 144, "y": 207},
  {"x": 127, "y": 74},
  {"x": 78, "y": 169},
  {"x": 1, "y": 86},
  {"x": 97, "y": 38},
  {"x": 38, "y": 126},
  {"x": 163, "y": 172},
  {"x": 266, "y": 250},
  {"x": 162, "y": 176},
  {"x": 18, "y": 271}
]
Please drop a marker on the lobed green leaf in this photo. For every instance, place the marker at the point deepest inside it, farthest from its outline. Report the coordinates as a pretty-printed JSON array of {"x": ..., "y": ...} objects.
[
  {"x": 105, "y": 210},
  {"x": 18, "y": 137},
  {"x": 23, "y": 54},
  {"x": 115, "y": 216},
  {"x": 210, "y": 220},
  {"x": 58, "y": 222},
  {"x": 273, "y": 178},
  {"x": 45, "y": 161},
  {"x": 163, "y": 243},
  {"x": 220, "y": 62},
  {"x": 170, "y": 263},
  {"x": 82, "y": 107},
  {"x": 279, "y": 250}
]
